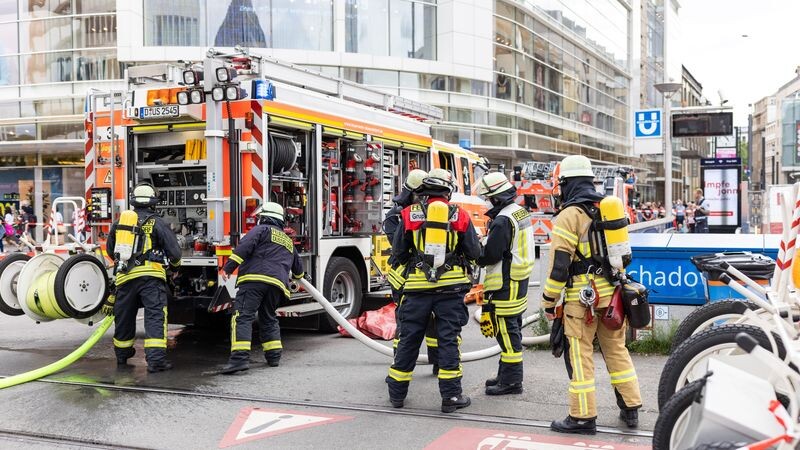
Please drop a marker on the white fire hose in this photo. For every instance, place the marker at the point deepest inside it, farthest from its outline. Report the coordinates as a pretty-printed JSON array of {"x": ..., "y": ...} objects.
[{"x": 423, "y": 358}]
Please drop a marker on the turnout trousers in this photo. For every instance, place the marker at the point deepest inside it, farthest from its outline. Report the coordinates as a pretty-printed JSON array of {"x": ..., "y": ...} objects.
[
  {"x": 415, "y": 310},
  {"x": 430, "y": 331},
  {"x": 509, "y": 336},
  {"x": 251, "y": 298},
  {"x": 150, "y": 293},
  {"x": 580, "y": 365}
]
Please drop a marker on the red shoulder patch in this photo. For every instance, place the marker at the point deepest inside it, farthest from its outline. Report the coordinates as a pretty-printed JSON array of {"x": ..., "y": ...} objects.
[
  {"x": 461, "y": 222},
  {"x": 413, "y": 217}
]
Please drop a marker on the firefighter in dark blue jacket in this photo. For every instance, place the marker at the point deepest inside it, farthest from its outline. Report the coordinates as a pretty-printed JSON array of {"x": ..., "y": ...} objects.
[
  {"x": 265, "y": 257},
  {"x": 397, "y": 271}
]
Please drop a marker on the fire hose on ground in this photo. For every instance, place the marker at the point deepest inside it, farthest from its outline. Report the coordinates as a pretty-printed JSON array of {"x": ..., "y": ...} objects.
[
  {"x": 105, "y": 324},
  {"x": 62, "y": 363},
  {"x": 423, "y": 358}
]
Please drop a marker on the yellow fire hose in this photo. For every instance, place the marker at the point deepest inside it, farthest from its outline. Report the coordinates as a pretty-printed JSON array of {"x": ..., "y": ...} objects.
[{"x": 62, "y": 363}]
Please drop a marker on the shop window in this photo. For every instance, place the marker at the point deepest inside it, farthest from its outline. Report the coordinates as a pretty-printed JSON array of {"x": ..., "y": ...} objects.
[
  {"x": 306, "y": 25},
  {"x": 72, "y": 130},
  {"x": 402, "y": 28},
  {"x": 178, "y": 22},
  {"x": 21, "y": 132},
  {"x": 9, "y": 40},
  {"x": 47, "y": 68},
  {"x": 96, "y": 31},
  {"x": 44, "y": 35},
  {"x": 9, "y": 70},
  {"x": 43, "y": 8},
  {"x": 365, "y": 27},
  {"x": 95, "y": 6}
]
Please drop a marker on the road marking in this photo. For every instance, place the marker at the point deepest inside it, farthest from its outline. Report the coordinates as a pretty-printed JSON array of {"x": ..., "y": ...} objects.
[
  {"x": 486, "y": 439},
  {"x": 257, "y": 423}
]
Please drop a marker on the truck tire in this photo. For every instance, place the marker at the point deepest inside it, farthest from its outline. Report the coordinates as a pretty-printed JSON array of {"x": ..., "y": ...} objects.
[
  {"x": 81, "y": 286},
  {"x": 342, "y": 287},
  {"x": 719, "y": 446},
  {"x": 701, "y": 346},
  {"x": 705, "y": 317},
  {"x": 15, "y": 261},
  {"x": 673, "y": 413}
]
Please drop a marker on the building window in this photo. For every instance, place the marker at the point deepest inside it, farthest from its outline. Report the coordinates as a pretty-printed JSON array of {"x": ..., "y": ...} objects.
[
  {"x": 306, "y": 25},
  {"x": 9, "y": 70},
  {"x": 402, "y": 28}
]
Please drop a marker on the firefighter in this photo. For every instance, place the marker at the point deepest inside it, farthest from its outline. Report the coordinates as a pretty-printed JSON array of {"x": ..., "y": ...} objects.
[
  {"x": 508, "y": 257},
  {"x": 142, "y": 282},
  {"x": 438, "y": 242},
  {"x": 265, "y": 257},
  {"x": 396, "y": 273},
  {"x": 588, "y": 293}
]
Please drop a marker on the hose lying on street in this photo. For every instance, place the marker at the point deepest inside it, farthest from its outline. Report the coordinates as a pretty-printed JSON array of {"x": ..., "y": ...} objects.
[
  {"x": 423, "y": 358},
  {"x": 62, "y": 363}
]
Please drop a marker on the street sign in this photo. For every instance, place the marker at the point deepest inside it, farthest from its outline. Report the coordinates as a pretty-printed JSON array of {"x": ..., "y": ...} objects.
[
  {"x": 257, "y": 423},
  {"x": 647, "y": 123}
]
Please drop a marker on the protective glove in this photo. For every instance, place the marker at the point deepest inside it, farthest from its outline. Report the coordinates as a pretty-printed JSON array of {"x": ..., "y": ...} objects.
[
  {"x": 108, "y": 305},
  {"x": 488, "y": 320},
  {"x": 307, "y": 277}
]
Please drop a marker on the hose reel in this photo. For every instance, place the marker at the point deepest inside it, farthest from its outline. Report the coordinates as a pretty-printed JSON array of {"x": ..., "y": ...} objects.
[
  {"x": 283, "y": 154},
  {"x": 50, "y": 288}
]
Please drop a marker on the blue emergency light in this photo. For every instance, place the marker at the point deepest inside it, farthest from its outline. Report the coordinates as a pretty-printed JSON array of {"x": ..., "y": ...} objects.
[{"x": 263, "y": 89}]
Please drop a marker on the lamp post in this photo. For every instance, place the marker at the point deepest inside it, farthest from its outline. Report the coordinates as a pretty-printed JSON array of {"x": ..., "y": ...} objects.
[{"x": 667, "y": 90}]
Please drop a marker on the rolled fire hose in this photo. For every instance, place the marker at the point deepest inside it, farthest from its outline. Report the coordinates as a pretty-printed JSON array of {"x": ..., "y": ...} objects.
[
  {"x": 62, "y": 363},
  {"x": 423, "y": 358}
]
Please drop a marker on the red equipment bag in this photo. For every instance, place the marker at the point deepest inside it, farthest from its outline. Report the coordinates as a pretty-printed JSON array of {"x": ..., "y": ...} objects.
[
  {"x": 377, "y": 324},
  {"x": 614, "y": 317}
]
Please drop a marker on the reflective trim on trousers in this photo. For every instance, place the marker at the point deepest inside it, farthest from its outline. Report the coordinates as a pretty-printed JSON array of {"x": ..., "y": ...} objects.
[
  {"x": 431, "y": 341},
  {"x": 623, "y": 376},
  {"x": 445, "y": 374},
  {"x": 398, "y": 375},
  {"x": 124, "y": 344},
  {"x": 271, "y": 345}
]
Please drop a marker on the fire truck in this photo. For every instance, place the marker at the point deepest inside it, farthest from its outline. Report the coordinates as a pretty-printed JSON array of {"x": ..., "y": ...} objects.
[
  {"x": 219, "y": 137},
  {"x": 534, "y": 183}
]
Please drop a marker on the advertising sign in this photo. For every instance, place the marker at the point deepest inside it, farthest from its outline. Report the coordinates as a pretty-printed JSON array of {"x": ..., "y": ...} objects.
[{"x": 721, "y": 189}]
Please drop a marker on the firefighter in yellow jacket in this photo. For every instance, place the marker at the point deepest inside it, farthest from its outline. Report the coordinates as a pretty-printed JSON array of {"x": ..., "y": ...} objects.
[
  {"x": 508, "y": 257},
  {"x": 587, "y": 294},
  {"x": 141, "y": 278}
]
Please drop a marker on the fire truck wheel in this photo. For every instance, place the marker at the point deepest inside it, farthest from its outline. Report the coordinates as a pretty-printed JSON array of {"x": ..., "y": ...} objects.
[
  {"x": 342, "y": 287},
  {"x": 81, "y": 286},
  {"x": 10, "y": 266}
]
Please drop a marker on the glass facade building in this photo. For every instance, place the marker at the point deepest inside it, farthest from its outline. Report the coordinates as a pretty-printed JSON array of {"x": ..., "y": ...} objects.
[{"x": 517, "y": 79}]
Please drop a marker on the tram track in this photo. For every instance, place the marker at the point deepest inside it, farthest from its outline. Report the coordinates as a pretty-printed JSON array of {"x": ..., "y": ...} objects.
[
  {"x": 354, "y": 407},
  {"x": 52, "y": 440}
]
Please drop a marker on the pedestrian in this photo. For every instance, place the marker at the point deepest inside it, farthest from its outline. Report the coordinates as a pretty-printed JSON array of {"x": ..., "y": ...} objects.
[
  {"x": 701, "y": 212},
  {"x": 397, "y": 272},
  {"x": 142, "y": 282},
  {"x": 508, "y": 257},
  {"x": 662, "y": 212},
  {"x": 680, "y": 214},
  {"x": 2, "y": 234},
  {"x": 690, "y": 223},
  {"x": 647, "y": 212},
  {"x": 266, "y": 256},
  {"x": 431, "y": 286},
  {"x": 574, "y": 268}
]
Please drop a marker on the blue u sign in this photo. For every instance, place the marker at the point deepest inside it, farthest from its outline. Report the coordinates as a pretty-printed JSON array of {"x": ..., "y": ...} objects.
[{"x": 648, "y": 123}]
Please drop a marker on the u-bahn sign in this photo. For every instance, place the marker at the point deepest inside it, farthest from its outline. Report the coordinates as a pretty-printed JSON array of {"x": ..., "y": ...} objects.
[{"x": 648, "y": 132}]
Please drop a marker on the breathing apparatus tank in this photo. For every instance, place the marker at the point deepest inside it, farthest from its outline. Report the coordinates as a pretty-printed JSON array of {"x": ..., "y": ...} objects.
[
  {"x": 614, "y": 225},
  {"x": 126, "y": 239},
  {"x": 437, "y": 220}
]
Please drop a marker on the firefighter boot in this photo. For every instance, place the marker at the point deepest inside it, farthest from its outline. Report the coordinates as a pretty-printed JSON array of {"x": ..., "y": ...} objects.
[
  {"x": 504, "y": 389},
  {"x": 630, "y": 417},
  {"x": 574, "y": 426},
  {"x": 273, "y": 358},
  {"x": 160, "y": 366},
  {"x": 453, "y": 403},
  {"x": 238, "y": 362},
  {"x": 491, "y": 382},
  {"x": 123, "y": 354}
]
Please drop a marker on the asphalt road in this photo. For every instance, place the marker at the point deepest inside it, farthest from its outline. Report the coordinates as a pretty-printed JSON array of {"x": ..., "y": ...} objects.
[{"x": 329, "y": 392}]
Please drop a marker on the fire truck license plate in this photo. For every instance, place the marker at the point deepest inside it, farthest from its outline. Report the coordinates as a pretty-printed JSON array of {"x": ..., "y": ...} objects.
[{"x": 154, "y": 112}]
